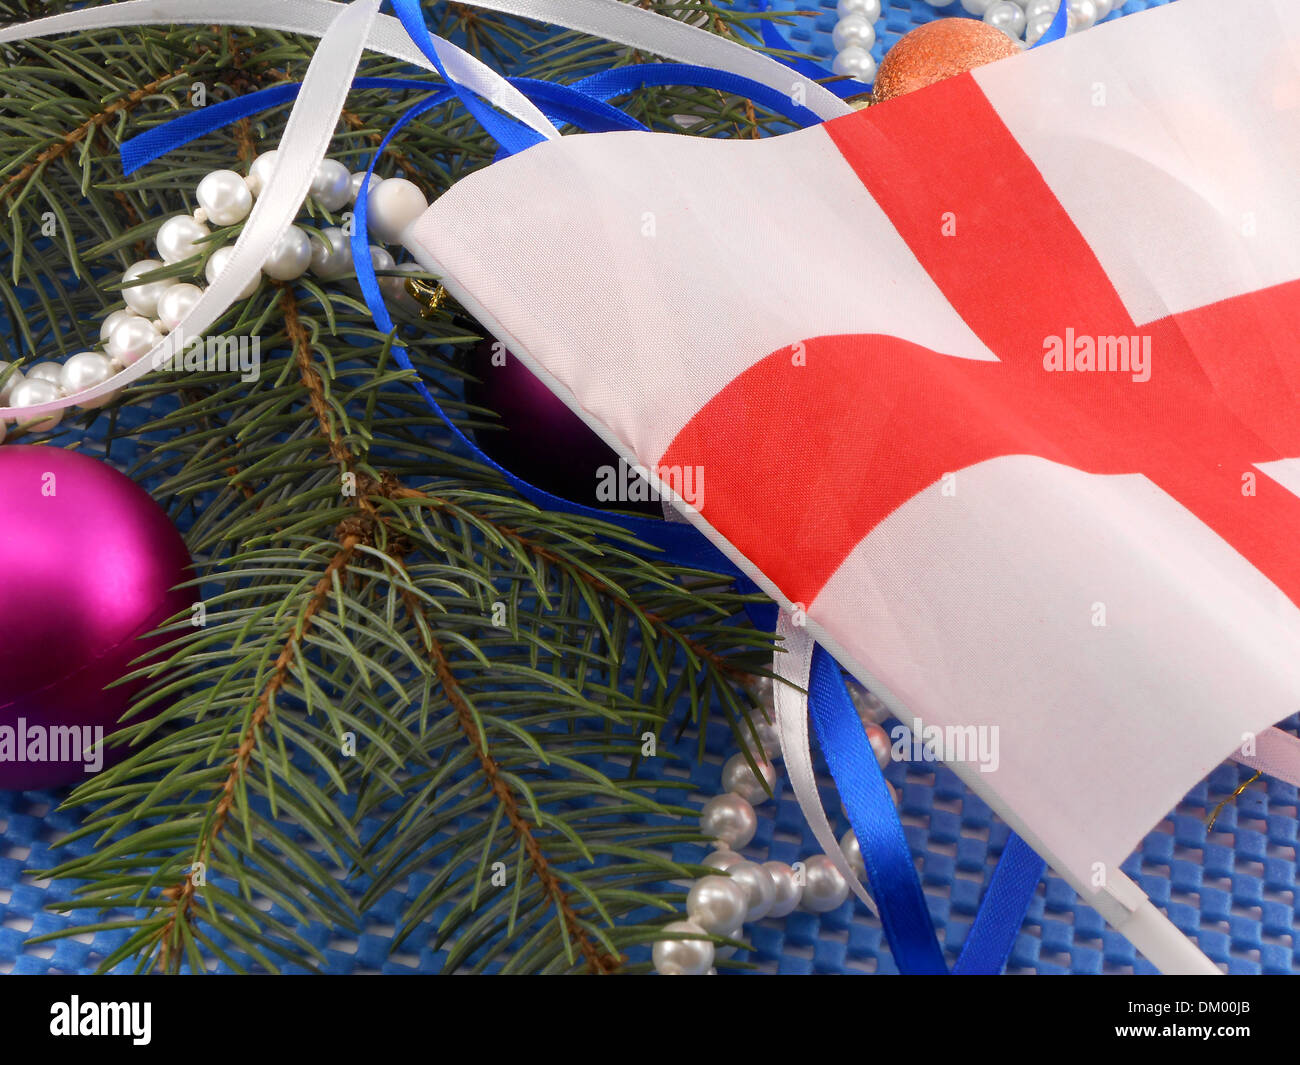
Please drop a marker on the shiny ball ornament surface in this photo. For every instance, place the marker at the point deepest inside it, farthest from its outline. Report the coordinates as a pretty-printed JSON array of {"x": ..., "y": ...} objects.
[
  {"x": 331, "y": 253},
  {"x": 176, "y": 303},
  {"x": 788, "y": 889},
  {"x": 290, "y": 256},
  {"x": 539, "y": 437},
  {"x": 868, "y": 9},
  {"x": 760, "y": 889},
  {"x": 28, "y": 393},
  {"x": 131, "y": 340},
  {"x": 217, "y": 263},
  {"x": 392, "y": 206},
  {"x": 939, "y": 50},
  {"x": 259, "y": 174},
  {"x": 717, "y": 904},
  {"x": 331, "y": 186},
  {"x": 224, "y": 197},
  {"x": 729, "y": 819},
  {"x": 682, "y": 957},
  {"x": 1007, "y": 16},
  {"x": 855, "y": 30},
  {"x": 86, "y": 370},
  {"x": 177, "y": 237},
  {"x": 143, "y": 298},
  {"x": 739, "y": 779},
  {"x": 93, "y": 559},
  {"x": 824, "y": 889},
  {"x": 857, "y": 63}
]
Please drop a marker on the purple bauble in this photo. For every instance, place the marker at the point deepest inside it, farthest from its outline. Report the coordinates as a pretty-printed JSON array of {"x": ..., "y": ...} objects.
[
  {"x": 540, "y": 440},
  {"x": 88, "y": 564}
]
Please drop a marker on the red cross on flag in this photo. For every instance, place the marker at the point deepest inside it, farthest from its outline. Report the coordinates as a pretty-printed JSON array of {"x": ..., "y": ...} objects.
[{"x": 998, "y": 382}]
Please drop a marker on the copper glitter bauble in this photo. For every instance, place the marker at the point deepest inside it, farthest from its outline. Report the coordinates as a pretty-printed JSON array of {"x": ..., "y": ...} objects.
[{"x": 936, "y": 51}]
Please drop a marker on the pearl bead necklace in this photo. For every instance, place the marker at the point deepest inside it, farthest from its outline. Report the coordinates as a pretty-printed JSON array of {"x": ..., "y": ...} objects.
[
  {"x": 853, "y": 37},
  {"x": 750, "y": 891},
  {"x": 1026, "y": 20},
  {"x": 154, "y": 308}
]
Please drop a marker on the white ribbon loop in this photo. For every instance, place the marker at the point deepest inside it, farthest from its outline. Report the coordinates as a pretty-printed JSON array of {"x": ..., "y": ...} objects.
[{"x": 793, "y": 668}]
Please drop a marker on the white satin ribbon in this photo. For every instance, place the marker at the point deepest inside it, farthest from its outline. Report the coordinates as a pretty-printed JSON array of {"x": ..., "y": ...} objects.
[{"x": 792, "y": 665}]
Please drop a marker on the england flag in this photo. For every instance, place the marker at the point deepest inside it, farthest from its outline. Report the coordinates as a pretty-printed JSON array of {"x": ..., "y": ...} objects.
[{"x": 996, "y": 382}]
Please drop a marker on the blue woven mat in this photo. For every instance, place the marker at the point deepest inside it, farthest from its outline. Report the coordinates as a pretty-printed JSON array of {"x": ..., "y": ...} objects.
[{"x": 1233, "y": 889}]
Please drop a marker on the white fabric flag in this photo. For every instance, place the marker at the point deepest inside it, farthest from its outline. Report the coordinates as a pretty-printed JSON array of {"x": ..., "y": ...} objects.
[{"x": 997, "y": 381}]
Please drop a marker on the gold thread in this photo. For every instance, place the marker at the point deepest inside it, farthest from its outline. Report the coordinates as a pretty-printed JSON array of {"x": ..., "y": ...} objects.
[{"x": 1231, "y": 798}]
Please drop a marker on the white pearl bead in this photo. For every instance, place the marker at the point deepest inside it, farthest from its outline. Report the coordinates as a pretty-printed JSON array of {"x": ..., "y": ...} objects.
[
  {"x": 8, "y": 378},
  {"x": 856, "y": 63},
  {"x": 1006, "y": 16},
  {"x": 259, "y": 174},
  {"x": 769, "y": 737},
  {"x": 717, "y": 904},
  {"x": 1104, "y": 8},
  {"x": 394, "y": 285},
  {"x": 682, "y": 957},
  {"x": 217, "y": 262},
  {"x": 290, "y": 256},
  {"x": 868, "y": 9},
  {"x": 881, "y": 745},
  {"x": 143, "y": 299},
  {"x": 224, "y": 197},
  {"x": 331, "y": 253},
  {"x": 1034, "y": 8},
  {"x": 739, "y": 779},
  {"x": 869, "y": 707},
  {"x": 176, "y": 238},
  {"x": 976, "y": 7},
  {"x": 30, "y": 392},
  {"x": 722, "y": 860},
  {"x": 1083, "y": 13},
  {"x": 729, "y": 819},
  {"x": 393, "y": 206},
  {"x": 788, "y": 889},
  {"x": 331, "y": 185},
  {"x": 853, "y": 852},
  {"x": 824, "y": 889},
  {"x": 354, "y": 184},
  {"x": 176, "y": 303},
  {"x": 131, "y": 340},
  {"x": 117, "y": 316},
  {"x": 1036, "y": 26},
  {"x": 86, "y": 370},
  {"x": 760, "y": 888},
  {"x": 45, "y": 371},
  {"x": 853, "y": 30},
  {"x": 380, "y": 259}
]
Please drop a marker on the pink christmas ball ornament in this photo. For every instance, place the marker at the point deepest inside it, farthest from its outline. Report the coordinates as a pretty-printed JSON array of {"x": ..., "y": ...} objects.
[{"x": 89, "y": 564}]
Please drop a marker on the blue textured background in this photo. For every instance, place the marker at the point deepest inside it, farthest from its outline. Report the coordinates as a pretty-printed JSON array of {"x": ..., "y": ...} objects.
[{"x": 1233, "y": 889}]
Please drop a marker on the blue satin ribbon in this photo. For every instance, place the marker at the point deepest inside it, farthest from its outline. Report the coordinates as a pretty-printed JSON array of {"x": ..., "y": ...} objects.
[
  {"x": 1011, "y": 889},
  {"x": 885, "y": 851}
]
